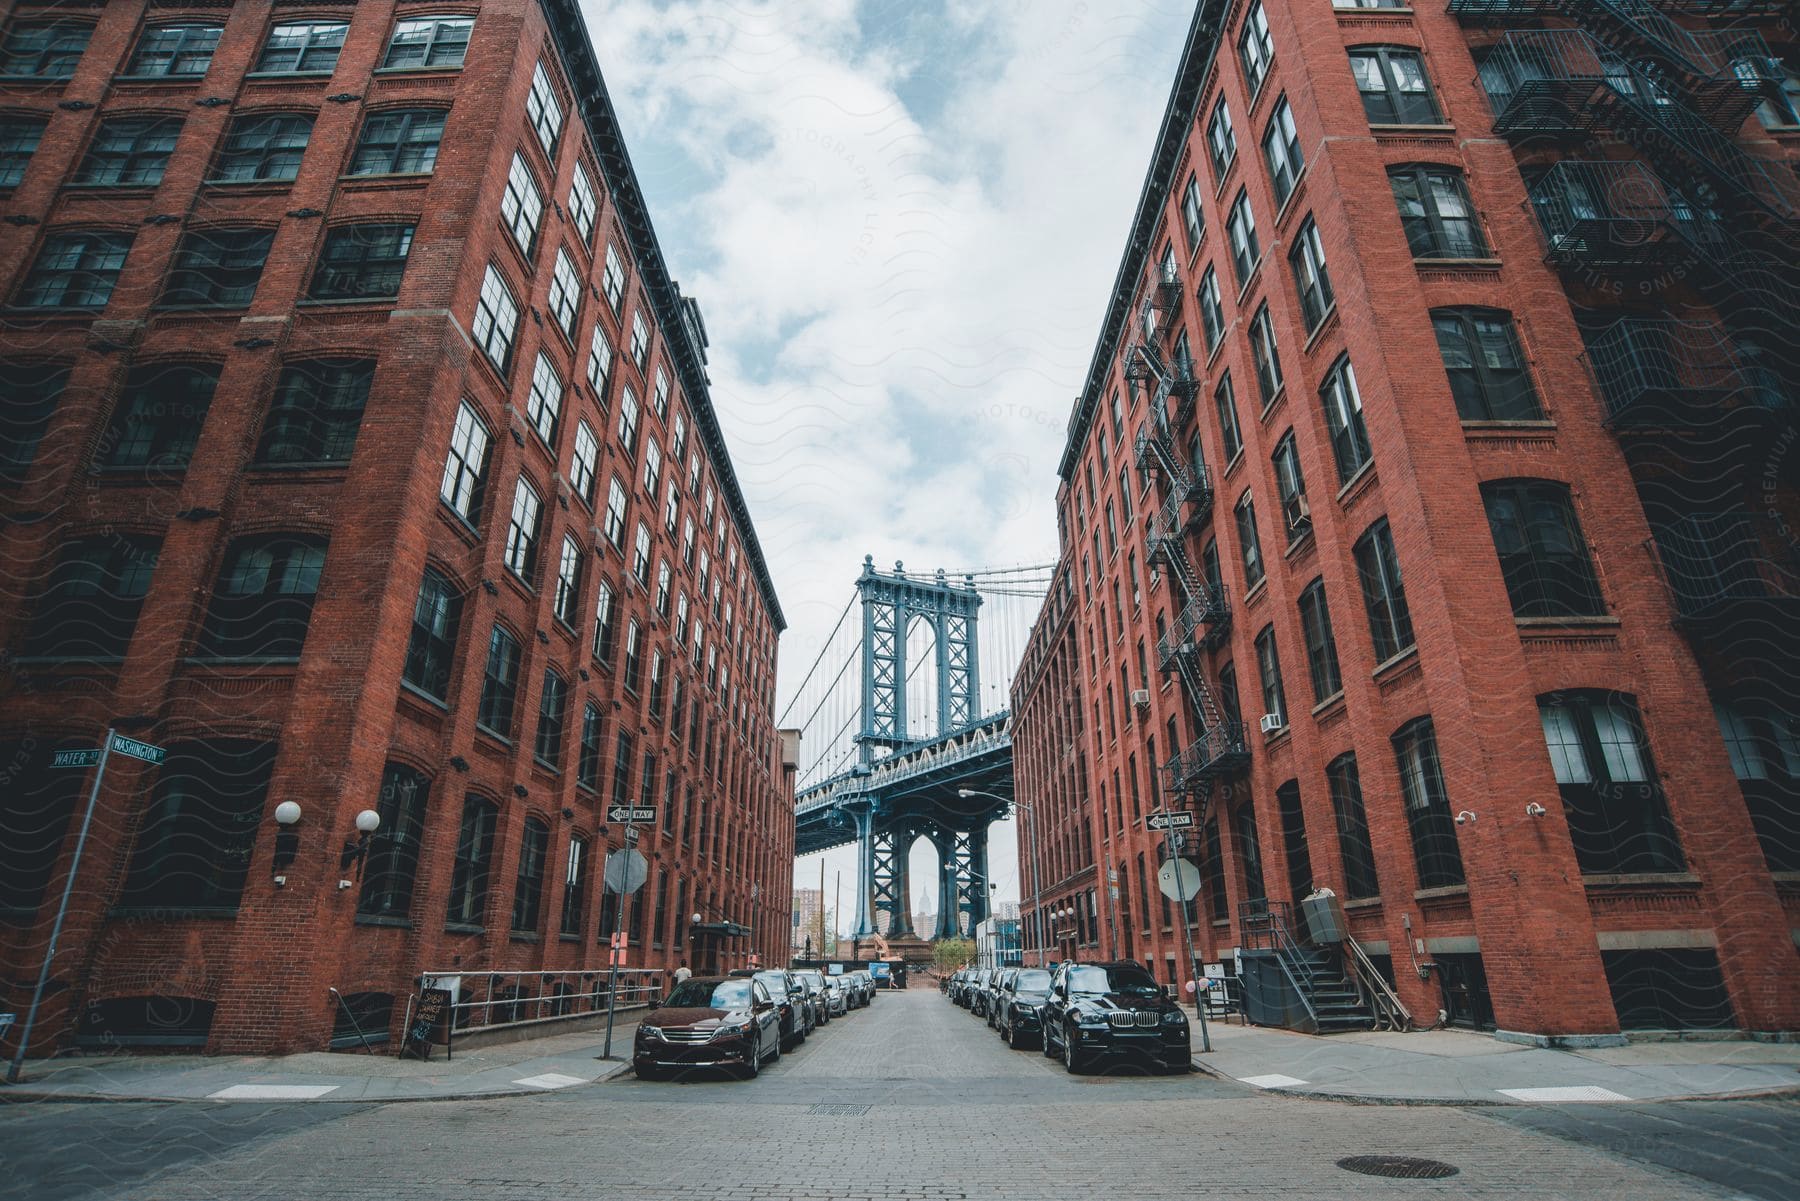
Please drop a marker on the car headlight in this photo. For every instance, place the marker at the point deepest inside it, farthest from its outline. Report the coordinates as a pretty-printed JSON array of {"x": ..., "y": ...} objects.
[
  {"x": 1174, "y": 1018},
  {"x": 728, "y": 1029},
  {"x": 649, "y": 1032},
  {"x": 1090, "y": 1019}
]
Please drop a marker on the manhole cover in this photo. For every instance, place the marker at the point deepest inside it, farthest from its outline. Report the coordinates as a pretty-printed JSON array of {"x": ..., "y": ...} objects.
[
  {"x": 1398, "y": 1167},
  {"x": 834, "y": 1109}
]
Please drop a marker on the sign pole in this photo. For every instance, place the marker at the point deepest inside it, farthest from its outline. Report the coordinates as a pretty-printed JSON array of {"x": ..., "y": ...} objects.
[
  {"x": 1178, "y": 844},
  {"x": 612, "y": 950},
  {"x": 62, "y": 910}
]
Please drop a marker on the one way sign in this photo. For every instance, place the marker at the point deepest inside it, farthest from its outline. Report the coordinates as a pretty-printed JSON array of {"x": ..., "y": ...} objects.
[
  {"x": 1169, "y": 821},
  {"x": 621, "y": 814}
]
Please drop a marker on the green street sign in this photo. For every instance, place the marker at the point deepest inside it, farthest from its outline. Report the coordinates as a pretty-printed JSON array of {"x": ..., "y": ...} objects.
[
  {"x": 137, "y": 750},
  {"x": 75, "y": 758}
]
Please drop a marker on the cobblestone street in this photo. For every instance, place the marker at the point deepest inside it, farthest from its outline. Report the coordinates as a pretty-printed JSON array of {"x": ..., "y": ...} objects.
[{"x": 912, "y": 1098}]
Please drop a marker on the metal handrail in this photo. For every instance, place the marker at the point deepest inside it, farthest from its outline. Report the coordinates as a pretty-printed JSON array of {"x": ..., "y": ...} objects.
[
  {"x": 1384, "y": 1000},
  {"x": 639, "y": 987},
  {"x": 1269, "y": 921}
]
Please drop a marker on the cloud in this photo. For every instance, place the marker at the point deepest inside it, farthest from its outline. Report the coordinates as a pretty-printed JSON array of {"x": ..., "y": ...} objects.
[{"x": 902, "y": 221}]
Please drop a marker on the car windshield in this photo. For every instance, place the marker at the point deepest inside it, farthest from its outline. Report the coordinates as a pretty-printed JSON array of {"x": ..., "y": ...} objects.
[
  {"x": 699, "y": 994},
  {"x": 776, "y": 981},
  {"x": 1035, "y": 980},
  {"x": 1115, "y": 980}
]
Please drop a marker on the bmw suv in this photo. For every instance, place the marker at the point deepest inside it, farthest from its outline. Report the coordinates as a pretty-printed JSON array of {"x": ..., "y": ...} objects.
[
  {"x": 1018, "y": 1004},
  {"x": 1100, "y": 1011}
]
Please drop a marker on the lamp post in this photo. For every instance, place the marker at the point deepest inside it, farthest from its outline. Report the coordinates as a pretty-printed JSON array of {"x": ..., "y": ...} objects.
[{"x": 1037, "y": 909}]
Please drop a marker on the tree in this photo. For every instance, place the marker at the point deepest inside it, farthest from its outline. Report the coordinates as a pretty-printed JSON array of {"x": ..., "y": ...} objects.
[{"x": 948, "y": 954}]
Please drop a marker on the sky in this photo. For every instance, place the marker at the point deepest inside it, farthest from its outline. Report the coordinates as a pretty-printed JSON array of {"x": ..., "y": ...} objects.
[{"x": 901, "y": 219}]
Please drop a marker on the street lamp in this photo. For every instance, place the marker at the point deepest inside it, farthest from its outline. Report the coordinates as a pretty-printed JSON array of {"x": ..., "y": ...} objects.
[{"x": 1037, "y": 909}]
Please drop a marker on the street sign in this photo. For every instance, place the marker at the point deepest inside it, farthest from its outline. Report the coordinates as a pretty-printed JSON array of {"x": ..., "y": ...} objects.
[
  {"x": 1179, "y": 880},
  {"x": 625, "y": 871},
  {"x": 620, "y": 814},
  {"x": 137, "y": 750},
  {"x": 76, "y": 758},
  {"x": 7, "y": 1019},
  {"x": 1178, "y": 820}
]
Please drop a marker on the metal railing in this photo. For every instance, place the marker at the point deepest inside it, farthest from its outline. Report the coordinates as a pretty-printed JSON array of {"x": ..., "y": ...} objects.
[
  {"x": 1211, "y": 606},
  {"x": 1620, "y": 214},
  {"x": 1643, "y": 364},
  {"x": 1389, "y": 1009},
  {"x": 1716, "y": 559},
  {"x": 504, "y": 1000},
  {"x": 1219, "y": 751},
  {"x": 1265, "y": 926}
]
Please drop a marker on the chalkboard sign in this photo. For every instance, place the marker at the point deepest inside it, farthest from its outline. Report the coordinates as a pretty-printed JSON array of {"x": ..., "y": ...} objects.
[{"x": 430, "y": 1011}]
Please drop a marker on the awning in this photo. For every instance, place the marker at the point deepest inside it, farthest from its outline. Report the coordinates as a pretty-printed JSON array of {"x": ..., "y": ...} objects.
[{"x": 720, "y": 929}]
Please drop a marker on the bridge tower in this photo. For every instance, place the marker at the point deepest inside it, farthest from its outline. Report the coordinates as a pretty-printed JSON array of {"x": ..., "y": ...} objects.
[{"x": 891, "y": 603}]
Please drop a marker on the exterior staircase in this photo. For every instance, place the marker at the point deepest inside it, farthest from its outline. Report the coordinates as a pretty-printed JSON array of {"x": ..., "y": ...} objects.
[{"x": 1316, "y": 988}]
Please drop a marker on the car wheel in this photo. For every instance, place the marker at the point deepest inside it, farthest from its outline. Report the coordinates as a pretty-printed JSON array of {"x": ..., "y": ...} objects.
[
  {"x": 1072, "y": 1058},
  {"x": 775, "y": 1053},
  {"x": 1012, "y": 1036},
  {"x": 1048, "y": 1047},
  {"x": 753, "y": 1061}
]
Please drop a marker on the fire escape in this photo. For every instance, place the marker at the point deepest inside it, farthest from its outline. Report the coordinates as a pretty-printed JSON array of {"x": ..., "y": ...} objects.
[{"x": 1203, "y": 610}]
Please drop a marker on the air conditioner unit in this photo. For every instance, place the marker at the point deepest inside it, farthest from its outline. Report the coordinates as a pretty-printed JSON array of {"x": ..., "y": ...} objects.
[
  {"x": 1140, "y": 697},
  {"x": 1272, "y": 723}
]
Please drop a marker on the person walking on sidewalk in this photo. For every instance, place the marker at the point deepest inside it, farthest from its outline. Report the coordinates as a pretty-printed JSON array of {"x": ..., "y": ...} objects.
[{"x": 682, "y": 972}]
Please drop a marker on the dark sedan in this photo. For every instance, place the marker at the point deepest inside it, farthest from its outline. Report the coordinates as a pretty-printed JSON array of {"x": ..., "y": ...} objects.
[
  {"x": 1019, "y": 1006},
  {"x": 792, "y": 1000},
  {"x": 709, "y": 1022}
]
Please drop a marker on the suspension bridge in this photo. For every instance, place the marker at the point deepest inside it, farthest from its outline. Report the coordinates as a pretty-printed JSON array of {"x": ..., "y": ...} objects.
[{"x": 903, "y": 738}]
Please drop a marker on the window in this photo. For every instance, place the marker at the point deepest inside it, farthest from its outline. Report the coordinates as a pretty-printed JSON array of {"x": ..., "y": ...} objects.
[
  {"x": 1268, "y": 666},
  {"x": 1765, "y": 756},
  {"x": 565, "y": 294},
  {"x": 263, "y": 149},
  {"x": 399, "y": 142},
  {"x": 1384, "y": 596},
  {"x": 75, "y": 270},
  {"x": 575, "y": 874},
  {"x": 671, "y": 508},
  {"x": 1542, "y": 553},
  {"x": 587, "y": 762},
  {"x": 582, "y": 465},
  {"x": 1289, "y": 481},
  {"x": 640, "y": 555},
  {"x": 543, "y": 110},
  {"x": 1486, "y": 368},
  {"x": 193, "y": 849},
  {"x": 129, "y": 152},
  {"x": 1281, "y": 150},
  {"x": 1248, "y": 544},
  {"x": 522, "y": 531},
  {"x": 628, "y": 422},
  {"x": 1221, "y": 140},
  {"x": 295, "y": 49},
  {"x": 1395, "y": 90},
  {"x": 42, "y": 49},
  {"x": 612, "y": 279},
  {"x": 362, "y": 262},
  {"x": 543, "y": 407},
  {"x": 605, "y": 627},
  {"x": 521, "y": 204},
  {"x": 1781, "y": 109},
  {"x": 663, "y": 577},
  {"x": 1344, "y": 417},
  {"x": 499, "y": 684},
  {"x": 1321, "y": 647},
  {"x": 428, "y": 42},
  {"x": 496, "y": 319},
  {"x": 1268, "y": 361},
  {"x": 97, "y": 588},
  {"x": 1231, "y": 441},
  {"x": 1212, "y": 316},
  {"x": 652, "y": 467},
  {"x": 621, "y": 790},
  {"x": 600, "y": 357},
  {"x": 1245, "y": 250},
  {"x": 1618, "y": 819},
  {"x": 431, "y": 646},
  {"x": 616, "y": 500},
  {"x": 659, "y": 399},
  {"x": 528, "y": 891},
  {"x": 175, "y": 50},
  {"x": 568, "y": 581},
  {"x": 466, "y": 464},
  {"x": 1436, "y": 213},
  {"x": 157, "y": 421},
  {"x": 640, "y": 341},
  {"x": 1354, "y": 844},
  {"x": 658, "y": 682},
  {"x": 263, "y": 600},
  {"x": 33, "y": 390},
  {"x": 19, "y": 137},
  {"x": 473, "y": 859},
  {"x": 551, "y": 703},
  {"x": 316, "y": 412},
  {"x": 1193, "y": 219},
  {"x": 582, "y": 205},
  {"x": 1311, "y": 278},
  {"x": 217, "y": 268},
  {"x": 634, "y": 658},
  {"x": 392, "y": 860},
  {"x": 1256, "y": 49},
  {"x": 1436, "y": 856}
]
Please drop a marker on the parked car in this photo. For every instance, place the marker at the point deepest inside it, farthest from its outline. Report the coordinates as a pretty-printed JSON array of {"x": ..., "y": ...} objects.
[
  {"x": 1019, "y": 1004},
  {"x": 979, "y": 991},
  {"x": 814, "y": 982},
  {"x": 1100, "y": 1011},
  {"x": 709, "y": 1021},
  {"x": 996, "y": 982},
  {"x": 865, "y": 987},
  {"x": 837, "y": 996},
  {"x": 790, "y": 998}
]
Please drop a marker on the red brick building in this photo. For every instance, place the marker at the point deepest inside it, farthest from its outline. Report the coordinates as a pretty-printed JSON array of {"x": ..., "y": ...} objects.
[
  {"x": 358, "y": 451},
  {"x": 1427, "y": 516}
]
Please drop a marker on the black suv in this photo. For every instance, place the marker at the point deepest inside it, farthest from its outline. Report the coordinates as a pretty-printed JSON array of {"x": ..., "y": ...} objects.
[
  {"x": 1106, "y": 1010},
  {"x": 1022, "y": 997}
]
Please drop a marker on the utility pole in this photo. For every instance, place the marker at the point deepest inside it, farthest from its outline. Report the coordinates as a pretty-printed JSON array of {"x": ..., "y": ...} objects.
[{"x": 821, "y": 906}]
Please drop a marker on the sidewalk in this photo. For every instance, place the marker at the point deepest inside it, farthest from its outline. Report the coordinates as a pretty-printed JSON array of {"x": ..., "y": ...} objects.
[
  {"x": 1453, "y": 1067},
  {"x": 537, "y": 1065}
]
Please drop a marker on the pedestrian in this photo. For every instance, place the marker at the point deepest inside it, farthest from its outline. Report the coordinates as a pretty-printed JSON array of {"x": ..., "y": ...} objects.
[{"x": 682, "y": 972}]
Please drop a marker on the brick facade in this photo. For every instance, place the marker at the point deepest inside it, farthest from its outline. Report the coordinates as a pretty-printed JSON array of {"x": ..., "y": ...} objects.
[
  {"x": 1529, "y": 939},
  {"x": 250, "y": 969}
]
